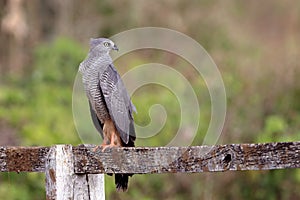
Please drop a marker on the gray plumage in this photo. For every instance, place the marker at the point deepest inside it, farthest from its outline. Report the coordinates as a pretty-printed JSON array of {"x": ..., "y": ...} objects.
[
  {"x": 108, "y": 100},
  {"x": 105, "y": 90}
]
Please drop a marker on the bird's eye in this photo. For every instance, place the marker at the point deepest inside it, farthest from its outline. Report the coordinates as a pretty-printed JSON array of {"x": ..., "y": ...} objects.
[{"x": 106, "y": 44}]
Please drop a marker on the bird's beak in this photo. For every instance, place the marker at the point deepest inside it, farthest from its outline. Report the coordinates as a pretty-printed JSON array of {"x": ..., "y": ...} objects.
[{"x": 115, "y": 48}]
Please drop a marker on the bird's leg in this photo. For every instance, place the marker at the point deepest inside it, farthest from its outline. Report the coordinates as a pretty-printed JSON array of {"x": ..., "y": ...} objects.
[
  {"x": 106, "y": 137},
  {"x": 115, "y": 139},
  {"x": 111, "y": 136}
]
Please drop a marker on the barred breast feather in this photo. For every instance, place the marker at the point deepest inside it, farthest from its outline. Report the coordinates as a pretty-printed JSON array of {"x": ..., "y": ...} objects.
[{"x": 90, "y": 75}]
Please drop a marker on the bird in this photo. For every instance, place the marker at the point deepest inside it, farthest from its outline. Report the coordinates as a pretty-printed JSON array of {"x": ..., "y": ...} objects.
[{"x": 110, "y": 105}]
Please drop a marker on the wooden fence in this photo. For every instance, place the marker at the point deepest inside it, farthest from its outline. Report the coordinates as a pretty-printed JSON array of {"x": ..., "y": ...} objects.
[{"x": 76, "y": 172}]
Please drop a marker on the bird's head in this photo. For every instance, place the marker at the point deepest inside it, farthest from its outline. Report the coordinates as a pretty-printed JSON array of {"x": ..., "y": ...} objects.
[{"x": 102, "y": 45}]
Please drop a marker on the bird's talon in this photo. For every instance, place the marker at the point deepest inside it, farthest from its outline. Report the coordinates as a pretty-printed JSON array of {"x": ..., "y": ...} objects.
[
  {"x": 95, "y": 148},
  {"x": 105, "y": 146}
]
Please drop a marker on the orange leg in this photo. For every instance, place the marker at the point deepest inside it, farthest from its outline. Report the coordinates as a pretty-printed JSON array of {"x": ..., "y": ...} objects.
[{"x": 111, "y": 136}]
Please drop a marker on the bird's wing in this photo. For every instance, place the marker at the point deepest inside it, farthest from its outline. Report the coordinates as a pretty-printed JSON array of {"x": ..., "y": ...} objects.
[
  {"x": 118, "y": 102},
  {"x": 96, "y": 121}
]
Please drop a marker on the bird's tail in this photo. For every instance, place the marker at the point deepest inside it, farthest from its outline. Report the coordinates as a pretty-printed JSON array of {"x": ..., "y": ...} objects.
[{"x": 121, "y": 181}]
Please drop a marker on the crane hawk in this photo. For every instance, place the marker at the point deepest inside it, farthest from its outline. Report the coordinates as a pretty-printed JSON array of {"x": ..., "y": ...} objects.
[{"x": 110, "y": 105}]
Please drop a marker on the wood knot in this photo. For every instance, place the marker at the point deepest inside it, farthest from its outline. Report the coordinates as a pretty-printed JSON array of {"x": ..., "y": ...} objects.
[
  {"x": 227, "y": 158},
  {"x": 52, "y": 175}
]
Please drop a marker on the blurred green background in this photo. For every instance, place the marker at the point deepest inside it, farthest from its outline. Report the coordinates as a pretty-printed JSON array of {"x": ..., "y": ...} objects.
[{"x": 255, "y": 44}]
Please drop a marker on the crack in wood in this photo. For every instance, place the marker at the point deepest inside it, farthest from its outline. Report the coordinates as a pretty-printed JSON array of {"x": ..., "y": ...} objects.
[{"x": 159, "y": 159}]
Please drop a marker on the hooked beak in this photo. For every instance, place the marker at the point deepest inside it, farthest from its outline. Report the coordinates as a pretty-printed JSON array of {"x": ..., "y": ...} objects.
[{"x": 115, "y": 48}]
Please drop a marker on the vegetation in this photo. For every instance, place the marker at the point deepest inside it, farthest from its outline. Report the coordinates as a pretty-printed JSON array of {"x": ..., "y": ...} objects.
[{"x": 255, "y": 48}]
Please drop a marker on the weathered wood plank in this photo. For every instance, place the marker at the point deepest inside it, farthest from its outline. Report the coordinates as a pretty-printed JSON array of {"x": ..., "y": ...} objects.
[
  {"x": 96, "y": 186},
  {"x": 61, "y": 181},
  {"x": 23, "y": 159},
  {"x": 59, "y": 173},
  {"x": 3, "y": 158},
  {"x": 160, "y": 159},
  {"x": 142, "y": 160},
  {"x": 89, "y": 187}
]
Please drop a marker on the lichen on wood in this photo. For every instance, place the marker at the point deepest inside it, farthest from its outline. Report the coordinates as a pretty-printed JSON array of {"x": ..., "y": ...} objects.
[
  {"x": 141, "y": 160},
  {"x": 281, "y": 155},
  {"x": 62, "y": 182}
]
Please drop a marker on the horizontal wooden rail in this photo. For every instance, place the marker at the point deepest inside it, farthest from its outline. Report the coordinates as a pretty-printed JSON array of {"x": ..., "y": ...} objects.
[
  {"x": 23, "y": 159},
  {"x": 159, "y": 159}
]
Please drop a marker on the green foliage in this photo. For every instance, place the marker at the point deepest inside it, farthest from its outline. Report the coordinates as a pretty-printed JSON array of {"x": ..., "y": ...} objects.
[
  {"x": 278, "y": 129},
  {"x": 23, "y": 186},
  {"x": 274, "y": 130},
  {"x": 57, "y": 63},
  {"x": 39, "y": 107}
]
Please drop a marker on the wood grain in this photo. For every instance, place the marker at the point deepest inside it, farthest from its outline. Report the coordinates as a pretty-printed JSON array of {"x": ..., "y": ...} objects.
[
  {"x": 192, "y": 159},
  {"x": 141, "y": 160},
  {"x": 61, "y": 181}
]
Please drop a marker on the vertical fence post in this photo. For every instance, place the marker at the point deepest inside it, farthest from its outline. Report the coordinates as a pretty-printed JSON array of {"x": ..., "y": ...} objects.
[{"x": 61, "y": 181}]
